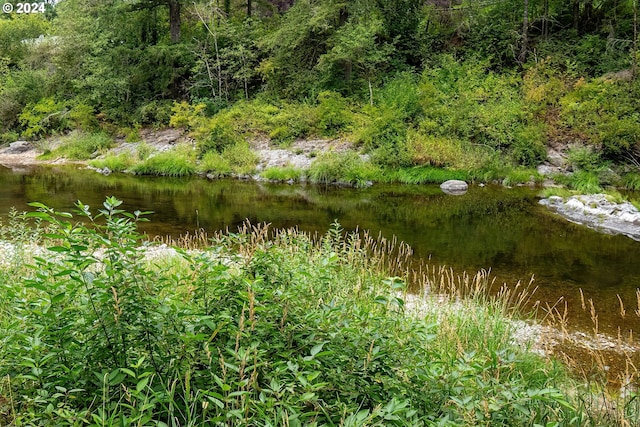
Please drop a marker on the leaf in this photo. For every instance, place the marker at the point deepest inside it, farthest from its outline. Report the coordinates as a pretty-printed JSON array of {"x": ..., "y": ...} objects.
[
  {"x": 307, "y": 396},
  {"x": 142, "y": 384},
  {"x": 317, "y": 348},
  {"x": 129, "y": 372},
  {"x": 40, "y": 215},
  {"x": 56, "y": 299},
  {"x": 38, "y": 205},
  {"x": 58, "y": 249}
]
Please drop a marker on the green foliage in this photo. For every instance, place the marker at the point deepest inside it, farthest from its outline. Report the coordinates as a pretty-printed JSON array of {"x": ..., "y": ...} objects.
[
  {"x": 19, "y": 33},
  {"x": 44, "y": 117},
  {"x": 584, "y": 158},
  {"x": 216, "y": 135},
  {"x": 467, "y": 102},
  {"x": 605, "y": 112},
  {"x": 252, "y": 331},
  {"x": 156, "y": 113},
  {"x": 185, "y": 115},
  {"x": 17, "y": 90},
  {"x": 346, "y": 168},
  {"x": 177, "y": 162},
  {"x": 283, "y": 174},
  {"x": 237, "y": 158},
  {"x": 80, "y": 146},
  {"x": 522, "y": 176},
  {"x": 83, "y": 117},
  {"x": 333, "y": 113},
  {"x": 424, "y": 175},
  {"x": 632, "y": 181},
  {"x": 585, "y": 182},
  {"x": 114, "y": 162}
]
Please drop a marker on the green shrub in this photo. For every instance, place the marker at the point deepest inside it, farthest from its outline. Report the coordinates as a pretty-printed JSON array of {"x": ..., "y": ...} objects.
[
  {"x": 84, "y": 118},
  {"x": 132, "y": 134},
  {"x": 8, "y": 138},
  {"x": 604, "y": 112},
  {"x": 585, "y": 159},
  {"x": 237, "y": 158},
  {"x": 44, "y": 117},
  {"x": 385, "y": 136},
  {"x": 160, "y": 113},
  {"x": 333, "y": 113},
  {"x": 528, "y": 147},
  {"x": 185, "y": 115},
  {"x": 216, "y": 134}
]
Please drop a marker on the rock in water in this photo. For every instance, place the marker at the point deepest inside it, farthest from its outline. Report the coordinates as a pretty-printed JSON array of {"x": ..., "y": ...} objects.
[
  {"x": 598, "y": 212},
  {"x": 454, "y": 187}
]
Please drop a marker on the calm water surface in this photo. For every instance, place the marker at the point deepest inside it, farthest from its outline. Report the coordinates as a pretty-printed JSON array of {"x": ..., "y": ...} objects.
[{"x": 489, "y": 227}]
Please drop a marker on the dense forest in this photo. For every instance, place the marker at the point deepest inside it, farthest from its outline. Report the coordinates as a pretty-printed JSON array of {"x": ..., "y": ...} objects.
[{"x": 463, "y": 85}]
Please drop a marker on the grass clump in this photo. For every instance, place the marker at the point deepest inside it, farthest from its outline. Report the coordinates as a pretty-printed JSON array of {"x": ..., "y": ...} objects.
[
  {"x": 80, "y": 146},
  {"x": 177, "y": 162},
  {"x": 283, "y": 174},
  {"x": 585, "y": 182},
  {"x": 261, "y": 328},
  {"x": 348, "y": 168},
  {"x": 115, "y": 162},
  {"x": 425, "y": 175},
  {"x": 631, "y": 181},
  {"x": 236, "y": 159},
  {"x": 522, "y": 176}
]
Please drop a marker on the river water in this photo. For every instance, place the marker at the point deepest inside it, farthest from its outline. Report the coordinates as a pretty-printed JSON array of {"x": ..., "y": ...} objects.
[{"x": 491, "y": 227}]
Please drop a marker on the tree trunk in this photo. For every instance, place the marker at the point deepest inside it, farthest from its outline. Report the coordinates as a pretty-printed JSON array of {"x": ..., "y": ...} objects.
[
  {"x": 522, "y": 57},
  {"x": 174, "y": 20},
  {"x": 249, "y": 8},
  {"x": 576, "y": 15},
  {"x": 634, "y": 59},
  {"x": 545, "y": 20}
]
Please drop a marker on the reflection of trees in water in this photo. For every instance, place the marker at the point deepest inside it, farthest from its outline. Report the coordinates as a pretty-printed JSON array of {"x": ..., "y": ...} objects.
[{"x": 491, "y": 227}]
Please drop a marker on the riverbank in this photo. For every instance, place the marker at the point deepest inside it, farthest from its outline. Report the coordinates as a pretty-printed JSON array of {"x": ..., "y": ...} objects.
[{"x": 253, "y": 330}]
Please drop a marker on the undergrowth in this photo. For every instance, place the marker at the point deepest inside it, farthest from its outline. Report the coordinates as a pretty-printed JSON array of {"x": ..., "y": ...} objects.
[{"x": 260, "y": 328}]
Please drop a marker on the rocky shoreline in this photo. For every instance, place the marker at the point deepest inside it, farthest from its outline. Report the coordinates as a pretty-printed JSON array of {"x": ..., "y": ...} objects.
[{"x": 599, "y": 212}]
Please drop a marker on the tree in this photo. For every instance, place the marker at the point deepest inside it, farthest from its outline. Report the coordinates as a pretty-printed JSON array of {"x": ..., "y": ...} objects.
[
  {"x": 174, "y": 7},
  {"x": 355, "y": 45}
]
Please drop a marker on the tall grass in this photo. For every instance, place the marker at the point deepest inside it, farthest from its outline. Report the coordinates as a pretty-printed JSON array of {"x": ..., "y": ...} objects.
[
  {"x": 263, "y": 327},
  {"x": 80, "y": 146},
  {"x": 176, "y": 162},
  {"x": 424, "y": 175},
  {"x": 115, "y": 162}
]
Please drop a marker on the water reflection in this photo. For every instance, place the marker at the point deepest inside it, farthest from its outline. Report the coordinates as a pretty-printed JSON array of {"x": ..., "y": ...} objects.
[{"x": 491, "y": 227}]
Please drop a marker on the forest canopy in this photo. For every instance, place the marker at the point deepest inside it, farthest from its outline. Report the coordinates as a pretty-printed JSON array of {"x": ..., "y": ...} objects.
[{"x": 408, "y": 79}]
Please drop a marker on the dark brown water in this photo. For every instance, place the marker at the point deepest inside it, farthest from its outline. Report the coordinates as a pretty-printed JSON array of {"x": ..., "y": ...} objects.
[{"x": 505, "y": 230}]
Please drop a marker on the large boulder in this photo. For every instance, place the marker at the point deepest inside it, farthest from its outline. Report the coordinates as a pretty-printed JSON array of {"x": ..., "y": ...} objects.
[
  {"x": 454, "y": 187},
  {"x": 18, "y": 147}
]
